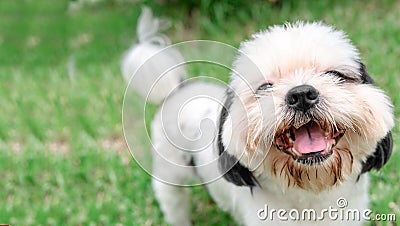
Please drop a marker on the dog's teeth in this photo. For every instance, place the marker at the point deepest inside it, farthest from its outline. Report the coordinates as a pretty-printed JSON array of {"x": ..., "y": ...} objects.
[
  {"x": 298, "y": 125},
  {"x": 330, "y": 144}
]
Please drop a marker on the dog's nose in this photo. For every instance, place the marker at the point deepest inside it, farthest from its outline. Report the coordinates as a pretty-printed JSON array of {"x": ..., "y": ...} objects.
[{"x": 302, "y": 97}]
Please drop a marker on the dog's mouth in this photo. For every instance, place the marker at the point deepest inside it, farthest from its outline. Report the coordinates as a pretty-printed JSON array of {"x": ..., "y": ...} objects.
[{"x": 308, "y": 144}]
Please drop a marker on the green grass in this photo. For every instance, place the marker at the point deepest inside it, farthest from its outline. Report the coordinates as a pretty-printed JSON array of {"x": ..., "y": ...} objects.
[{"x": 62, "y": 154}]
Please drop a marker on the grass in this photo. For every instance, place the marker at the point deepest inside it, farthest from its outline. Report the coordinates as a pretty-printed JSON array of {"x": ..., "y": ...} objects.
[{"x": 62, "y": 154}]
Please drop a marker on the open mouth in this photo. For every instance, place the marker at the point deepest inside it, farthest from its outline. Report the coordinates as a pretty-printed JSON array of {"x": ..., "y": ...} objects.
[{"x": 309, "y": 143}]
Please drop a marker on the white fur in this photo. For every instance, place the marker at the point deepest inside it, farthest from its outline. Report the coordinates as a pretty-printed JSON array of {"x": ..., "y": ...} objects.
[
  {"x": 238, "y": 201},
  {"x": 150, "y": 66},
  {"x": 272, "y": 56}
]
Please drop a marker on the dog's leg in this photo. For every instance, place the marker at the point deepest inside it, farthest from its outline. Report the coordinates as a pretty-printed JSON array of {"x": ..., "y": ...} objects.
[
  {"x": 173, "y": 199},
  {"x": 174, "y": 203}
]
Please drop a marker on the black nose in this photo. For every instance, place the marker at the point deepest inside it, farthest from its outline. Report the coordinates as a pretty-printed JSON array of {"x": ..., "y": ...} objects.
[{"x": 302, "y": 97}]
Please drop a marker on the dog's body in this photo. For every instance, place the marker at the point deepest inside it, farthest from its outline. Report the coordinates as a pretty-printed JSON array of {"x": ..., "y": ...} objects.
[
  {"x": 243, "y": 204},
  {"x": 300, "y": 126}
]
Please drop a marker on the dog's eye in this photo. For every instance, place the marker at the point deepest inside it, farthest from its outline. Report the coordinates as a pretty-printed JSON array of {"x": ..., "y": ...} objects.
[
  {"x": 336, "y": 73},
  {"x": 342, "y": 76},
  {"x": 265, "y": 86}
]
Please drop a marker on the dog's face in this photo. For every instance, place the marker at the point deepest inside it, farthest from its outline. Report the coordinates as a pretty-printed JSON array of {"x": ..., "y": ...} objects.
[{"x": 304, "y": 111}]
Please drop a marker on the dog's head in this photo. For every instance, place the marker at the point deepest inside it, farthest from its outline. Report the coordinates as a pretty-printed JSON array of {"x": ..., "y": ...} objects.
[{"x": 303, "y": 111}]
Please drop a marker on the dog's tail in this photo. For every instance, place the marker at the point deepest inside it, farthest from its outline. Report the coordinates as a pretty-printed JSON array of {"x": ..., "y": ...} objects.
[{"x": 152, "y": 68}]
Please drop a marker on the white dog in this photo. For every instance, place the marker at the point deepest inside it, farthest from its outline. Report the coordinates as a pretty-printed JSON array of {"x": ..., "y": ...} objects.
[{"x": 300, "y": 127}]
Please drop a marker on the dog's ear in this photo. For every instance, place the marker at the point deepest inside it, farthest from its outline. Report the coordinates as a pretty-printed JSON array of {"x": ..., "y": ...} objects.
[
  {"x": 384, "y": 147},
  {"x": 366, "y": 79},
  {"x": 381, "y": 155},
  {"x": 236, "y": 173}
]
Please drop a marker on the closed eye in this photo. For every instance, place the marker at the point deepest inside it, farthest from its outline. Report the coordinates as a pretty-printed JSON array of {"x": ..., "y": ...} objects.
[
  {"x": 342, "y": 76},
  {"x": 264, "y": 89},
  {"x": 266, "y": 86}
]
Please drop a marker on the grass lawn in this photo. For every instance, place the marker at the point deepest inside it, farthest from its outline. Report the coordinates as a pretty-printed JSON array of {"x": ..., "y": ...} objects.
[{"x": 63, "y": 157}]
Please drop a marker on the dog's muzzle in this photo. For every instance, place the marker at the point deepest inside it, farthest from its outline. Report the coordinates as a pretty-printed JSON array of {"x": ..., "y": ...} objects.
[
  {"x": 302, "y": 97},
  {"x": 308, "y": 141}
]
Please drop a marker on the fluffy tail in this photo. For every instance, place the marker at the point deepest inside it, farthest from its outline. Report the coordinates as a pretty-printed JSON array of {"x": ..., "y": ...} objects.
[{"x": 150, "y": 66}]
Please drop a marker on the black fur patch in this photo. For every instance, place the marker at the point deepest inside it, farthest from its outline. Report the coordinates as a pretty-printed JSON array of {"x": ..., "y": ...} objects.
[
  {"x": 366, "y": 79},
  {"x": 384, "y": 147},
  {"x": 381, "y": 155},
  {"x": 235, "y": 172}
]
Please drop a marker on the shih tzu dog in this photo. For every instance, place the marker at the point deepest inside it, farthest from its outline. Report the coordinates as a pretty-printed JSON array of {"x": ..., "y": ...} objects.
[{"x": 300, "y": 126}]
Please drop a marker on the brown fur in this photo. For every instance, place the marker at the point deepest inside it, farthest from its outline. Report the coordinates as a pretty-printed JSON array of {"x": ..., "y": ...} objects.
[{"x": 316, "y": 177}]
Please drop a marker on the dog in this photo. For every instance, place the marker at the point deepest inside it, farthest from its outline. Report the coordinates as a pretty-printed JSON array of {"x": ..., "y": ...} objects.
[{"x": 300, "y": 126}]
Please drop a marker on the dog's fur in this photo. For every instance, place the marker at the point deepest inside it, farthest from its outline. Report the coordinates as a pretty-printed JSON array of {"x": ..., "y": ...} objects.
[{"x": 259, "y": 167}]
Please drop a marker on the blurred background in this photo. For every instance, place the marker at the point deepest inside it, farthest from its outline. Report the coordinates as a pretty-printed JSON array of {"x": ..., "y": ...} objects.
[{"x": 63, "y": 157}]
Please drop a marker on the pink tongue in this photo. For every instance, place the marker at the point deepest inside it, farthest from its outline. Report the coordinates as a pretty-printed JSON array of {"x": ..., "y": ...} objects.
[{"x": 309, "y": 139}]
